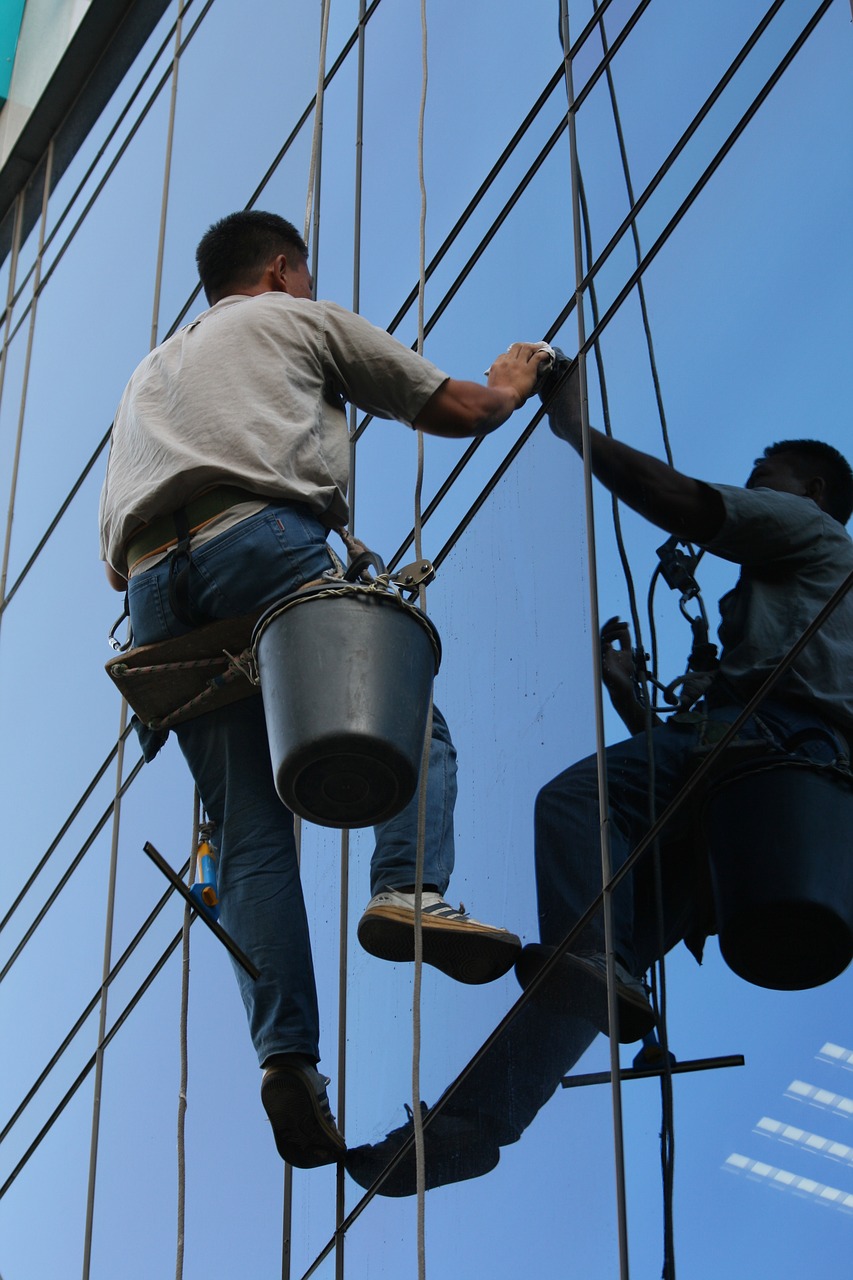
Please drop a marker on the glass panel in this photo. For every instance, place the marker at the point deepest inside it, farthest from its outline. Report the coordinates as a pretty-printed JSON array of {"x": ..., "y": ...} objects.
[{"x": 748, "y": 298}]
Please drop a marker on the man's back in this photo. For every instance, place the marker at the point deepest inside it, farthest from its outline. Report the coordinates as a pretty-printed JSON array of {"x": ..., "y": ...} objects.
[
  {"x": 793, "y": 556},
  {"x": 249, "y": 394}
]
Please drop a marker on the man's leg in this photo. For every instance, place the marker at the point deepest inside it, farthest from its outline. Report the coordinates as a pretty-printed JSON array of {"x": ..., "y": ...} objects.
[
  {"x": 569, "y": 877},
  {"x": 264, "y": 911},
  {"x": 460, "y": 946},
  {"x": 258, "y": 875},
  {"x": 489, "y": 1109},
  {"x": 567, "y": 834},
  {"x": 393, "y": 862},
  {"x": 255, "y": 562}
]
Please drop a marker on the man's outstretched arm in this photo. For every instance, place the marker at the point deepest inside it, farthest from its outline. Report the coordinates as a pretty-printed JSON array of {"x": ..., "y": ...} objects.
[
  {"x": 664, "y": 496},
  {"x": 460, "y": 408}
]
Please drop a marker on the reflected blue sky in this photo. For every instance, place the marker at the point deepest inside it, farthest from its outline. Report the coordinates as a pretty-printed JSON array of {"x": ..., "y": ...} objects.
[{"x": 750, "y": 308}]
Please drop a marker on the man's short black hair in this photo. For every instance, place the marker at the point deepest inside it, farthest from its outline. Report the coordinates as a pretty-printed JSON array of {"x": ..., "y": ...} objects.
[
  {"x": 236, "y": 249},
  {"x": 815, "y": 458}
]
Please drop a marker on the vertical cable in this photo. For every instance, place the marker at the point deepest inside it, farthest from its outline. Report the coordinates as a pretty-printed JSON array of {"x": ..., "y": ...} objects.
[
  {"x": 606, "y": 871},
  {"x": 313, "y": 197},
  {"x": 17, "y": 227},
  {"x": 667, "y": 1136},
  {"x": 287, "y": 1185},
  {"x": 340, "y": 1183},
  {"x": 667, "y": 1132},
  {"x": 420, "y": 1172},
  {"x": 356, "y": 268},
  {"x": 116, "y": 823},
  {"x": 183, "y": 1087},
  {"x": 287, "y": 1222},
  {"x": 343, "y": 945},
  {"x": 183, "y": 1045},
  {"x": 13, "y": 484},
  {"x": 629, "y": 186},
  {"x": 102, "y": 1016},
  {"x": 164, "y": 203}
]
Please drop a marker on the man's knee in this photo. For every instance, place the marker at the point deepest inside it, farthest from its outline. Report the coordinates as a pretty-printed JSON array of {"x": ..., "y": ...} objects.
[{"x": 574, "y": 787}]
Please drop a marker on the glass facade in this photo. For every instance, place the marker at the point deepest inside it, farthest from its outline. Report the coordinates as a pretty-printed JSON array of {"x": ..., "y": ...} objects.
[{"x": 736, "y": 125}]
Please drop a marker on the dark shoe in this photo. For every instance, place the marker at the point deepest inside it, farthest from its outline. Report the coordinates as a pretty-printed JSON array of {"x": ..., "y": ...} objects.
[
  {"x": 453, "y": 942},
  {"x": 456, "y": 1147},
  {"x": 294, "y": 1097},
  {"x": 578, "y": 985}
]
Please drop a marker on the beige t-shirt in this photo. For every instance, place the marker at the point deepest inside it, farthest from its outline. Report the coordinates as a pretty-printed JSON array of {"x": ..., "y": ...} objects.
[{"x": 250, "y": 394}]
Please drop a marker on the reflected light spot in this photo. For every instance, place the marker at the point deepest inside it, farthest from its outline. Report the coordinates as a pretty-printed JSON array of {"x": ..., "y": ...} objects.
[
  {"x": 783, "y": 1180},
  {"x": 817, "y": 1097},
  {"x": 808, "y": 1141},
  {"x": 837, "y": 1056}
]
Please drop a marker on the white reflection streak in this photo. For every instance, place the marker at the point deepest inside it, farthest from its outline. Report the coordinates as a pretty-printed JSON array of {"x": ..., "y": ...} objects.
[
  {"x": 838, "y": 1057},
  {"x": 803, "y": 1140},
  {"x": 782, "y": 1180},
  {"x": 799, "y": 1091}
]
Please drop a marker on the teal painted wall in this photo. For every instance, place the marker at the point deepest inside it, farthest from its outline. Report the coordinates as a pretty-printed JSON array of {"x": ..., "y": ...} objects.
[{"x": 11, "y": 14}]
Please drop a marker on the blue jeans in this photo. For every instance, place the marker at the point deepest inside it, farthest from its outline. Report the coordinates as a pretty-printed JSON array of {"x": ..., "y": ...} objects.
[
  {"x": 257, "y": 562},
  {"x": 523, "y": 1068},
  {"x": 568, "y": 860}
]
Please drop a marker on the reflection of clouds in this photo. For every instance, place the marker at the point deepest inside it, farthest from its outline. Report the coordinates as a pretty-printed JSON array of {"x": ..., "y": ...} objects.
[
  {"x": 785, "y": 1181},
  {"x": 808, "y": 1141},
  {"x": 838, "y": 1057},
  {"x": 799, "y": 1091}
]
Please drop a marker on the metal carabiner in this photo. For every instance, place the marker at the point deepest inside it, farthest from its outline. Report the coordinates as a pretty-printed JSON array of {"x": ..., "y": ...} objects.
[{"x": 111, "y": 638}]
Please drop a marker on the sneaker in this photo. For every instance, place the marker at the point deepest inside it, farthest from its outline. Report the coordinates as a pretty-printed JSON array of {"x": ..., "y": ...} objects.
[
  {"x": 578, "y": 985},
  {"x": 453, "y": 942},
  {"x": 294, "y": 1097},
  {"x": 456, "y": 1147}
]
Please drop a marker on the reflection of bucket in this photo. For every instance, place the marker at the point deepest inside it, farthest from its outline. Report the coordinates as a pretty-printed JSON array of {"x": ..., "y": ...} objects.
[
  {"x": 780, "y": 845},
  {"x": 346, "y": 673}
]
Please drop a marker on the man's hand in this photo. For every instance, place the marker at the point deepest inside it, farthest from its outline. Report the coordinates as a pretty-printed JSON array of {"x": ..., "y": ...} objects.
[
  {"x": 561, "y": 393},
  {"x": 355, "y": 548},
  {"x": 521, "y": 368},
  {"x": 617, "y": 659},
  {"x": 459, "y": 408},
  {"x": 618, "y": 673}
]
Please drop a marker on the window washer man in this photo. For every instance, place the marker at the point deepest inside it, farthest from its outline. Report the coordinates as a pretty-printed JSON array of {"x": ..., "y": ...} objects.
[
  {"x": 228, "y": 466},
  {"x": 786, "y": 531}
]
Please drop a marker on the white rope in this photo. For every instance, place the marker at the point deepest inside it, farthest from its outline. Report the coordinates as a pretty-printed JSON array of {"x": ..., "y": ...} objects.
[
  {"x": 167, "y": 173},
  {"x": 343, "y": 943},
  {"x": 313, "y": 167},
  {"x": 184, "y": 1049},
  {"x": 420, "y": 1171},
  {"x": 102, "y": 1018},
  {"x": 120, "y": 757},
  {"x": 606, "y": 871},
  {"x": 10, "y": 300},
  {"x": 16, "y": 461},
  {"x": 185, "y": 932},
  {"x": 317, "y": 135}
]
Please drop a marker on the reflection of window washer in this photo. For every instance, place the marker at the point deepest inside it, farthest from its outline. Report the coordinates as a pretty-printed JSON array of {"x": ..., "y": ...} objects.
[
  {"x": 786, "y": 530},
  {"x": 228, "y": 466}
]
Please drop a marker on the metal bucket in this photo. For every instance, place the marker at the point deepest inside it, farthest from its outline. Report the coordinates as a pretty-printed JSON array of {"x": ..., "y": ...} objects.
[
  {"x": 346, "y": 672},
  {"x": 780, "y": 847}
]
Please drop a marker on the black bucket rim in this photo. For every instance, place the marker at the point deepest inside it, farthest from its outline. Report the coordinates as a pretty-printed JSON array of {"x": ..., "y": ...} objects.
[
  {"x": 337, "y": 587},
  {"x": 772, "y": 762}
]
